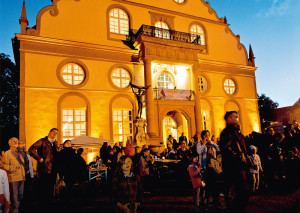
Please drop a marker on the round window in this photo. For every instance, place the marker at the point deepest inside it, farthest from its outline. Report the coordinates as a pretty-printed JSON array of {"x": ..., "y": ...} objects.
[
  {"x": 73, "y": 74},
  {"x": 179, "y": 1},
  {"x": 120, "y": 77},
  {"x": 229, "y": 86}
]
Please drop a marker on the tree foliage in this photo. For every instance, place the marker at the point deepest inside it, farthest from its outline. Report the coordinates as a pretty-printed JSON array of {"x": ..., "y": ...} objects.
[
  {"x": 9, "y": 100},
  {"x": 266, "y": 107},
  {"x": 9, "y": 96}
]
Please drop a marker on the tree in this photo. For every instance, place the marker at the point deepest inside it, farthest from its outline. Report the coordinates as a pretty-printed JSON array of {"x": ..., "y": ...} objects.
[
  {"x": 266, "y": 107},
  {"x": 9, "y": 99}
]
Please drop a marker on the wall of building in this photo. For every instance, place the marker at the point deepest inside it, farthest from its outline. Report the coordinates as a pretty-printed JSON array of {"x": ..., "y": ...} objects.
[{"x": 65, "y": 33}]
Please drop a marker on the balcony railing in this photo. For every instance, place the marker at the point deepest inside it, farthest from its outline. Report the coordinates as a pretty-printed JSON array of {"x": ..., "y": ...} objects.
[
  {"x": 152, "y": 31},
  {"x": 173, "y": 94}
]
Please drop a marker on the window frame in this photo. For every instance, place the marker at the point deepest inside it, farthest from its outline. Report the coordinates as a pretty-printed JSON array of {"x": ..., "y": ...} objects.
[
  {"x": 59, "y": 73},
  {"x": 235, "y": 86},
  {"x": 180, "y": 3},
  {"x": 73, "y": 122},
  {"x": 119, "y": 19},
  {"x": 202, "y": 35},
  {"x": 131, "y": 128},
  {"x": 165, "y": 73},
  {"x": 165, "y": 32},
  {"x": 121, "y": 66}
]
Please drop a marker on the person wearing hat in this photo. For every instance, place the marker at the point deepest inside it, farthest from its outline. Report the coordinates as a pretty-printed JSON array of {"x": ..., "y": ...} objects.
[{"x": 255, "y": 168}]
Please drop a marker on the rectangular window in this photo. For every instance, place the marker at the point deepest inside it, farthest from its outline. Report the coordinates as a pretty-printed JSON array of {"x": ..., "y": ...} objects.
[
  {"x": 73, "y": 123},
  {"x": 122, "y": 124},
  {"x": 206, "y": 121}
]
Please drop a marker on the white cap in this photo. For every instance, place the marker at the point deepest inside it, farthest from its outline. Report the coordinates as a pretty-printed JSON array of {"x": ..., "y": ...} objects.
[{"x": 252, "y": 147}]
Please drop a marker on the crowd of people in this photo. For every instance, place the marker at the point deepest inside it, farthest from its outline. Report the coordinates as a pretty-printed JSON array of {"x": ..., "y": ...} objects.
[
  {"x": 240, "y": 165},
  {"x": 55, "y": 163}
]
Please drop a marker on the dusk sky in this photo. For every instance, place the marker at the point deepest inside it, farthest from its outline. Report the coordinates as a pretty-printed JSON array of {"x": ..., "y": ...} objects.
[{"x": 272, "y": 27}]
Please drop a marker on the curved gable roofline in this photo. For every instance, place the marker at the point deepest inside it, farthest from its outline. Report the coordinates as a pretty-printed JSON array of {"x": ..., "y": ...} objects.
[
  {"x": 53, "y": 10},
  {"x": 211, "y": 11},
  {"x": 240, "y": 46}
]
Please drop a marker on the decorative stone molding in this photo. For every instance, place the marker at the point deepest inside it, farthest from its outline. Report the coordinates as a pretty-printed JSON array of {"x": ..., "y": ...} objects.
[{"x": 156, "y": 17}]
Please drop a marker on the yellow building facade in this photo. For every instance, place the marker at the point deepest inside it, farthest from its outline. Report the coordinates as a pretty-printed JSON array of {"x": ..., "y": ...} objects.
[{"x": 77, "y": 62}]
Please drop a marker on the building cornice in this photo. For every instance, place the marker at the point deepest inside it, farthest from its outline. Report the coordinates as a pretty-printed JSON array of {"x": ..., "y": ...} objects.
[
  {"x": 221, "y": 67},
  {"x": 67, "y": 43}
]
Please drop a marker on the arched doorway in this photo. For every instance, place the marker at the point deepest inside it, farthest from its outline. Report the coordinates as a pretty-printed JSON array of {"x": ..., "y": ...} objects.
[{"x": 174, "y": 124}]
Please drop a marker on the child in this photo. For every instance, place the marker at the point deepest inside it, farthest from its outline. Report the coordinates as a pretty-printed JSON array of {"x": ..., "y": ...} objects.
[
  {"x": 255, "y": 168},
  {"x": 197, "y": 180}
]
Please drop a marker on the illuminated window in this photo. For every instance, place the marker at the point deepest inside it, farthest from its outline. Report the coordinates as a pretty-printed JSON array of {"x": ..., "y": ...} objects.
[
  {"x": 73, "y": 74},
  {"x": 206, "y": 119},
  {"x": 197, "y": 34},
  {"x": 179, "y": 1},
  {"x": 168, "y": 121},
  {"x": 120, "y": 77},
  {"x": 122, "y": 124},
  {"x": 118, "y": 21},
  {"x": 202, "y": 84},
  {"x": 73, "y": 123},
  {"x": 162, "y": 30},
  {"x": 165, "y": 80},
  {"x": 229, "y": 86}
]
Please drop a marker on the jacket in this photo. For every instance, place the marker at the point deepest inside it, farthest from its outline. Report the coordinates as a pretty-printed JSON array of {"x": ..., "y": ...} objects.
[
  {"x": 43, "y": 149},
  {"x": 4, "y": 189},
  {"x": 13, "y": 163},
  {"x": 195, "y": 176},
  {"x": 233, "y": 149}
]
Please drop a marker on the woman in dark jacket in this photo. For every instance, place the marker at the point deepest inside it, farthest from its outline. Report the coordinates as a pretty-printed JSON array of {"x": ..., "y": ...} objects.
[{"x": 126, "y": 187}]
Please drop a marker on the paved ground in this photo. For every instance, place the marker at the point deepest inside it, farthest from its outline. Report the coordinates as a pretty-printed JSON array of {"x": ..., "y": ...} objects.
[{"x": 95, "y": 198}]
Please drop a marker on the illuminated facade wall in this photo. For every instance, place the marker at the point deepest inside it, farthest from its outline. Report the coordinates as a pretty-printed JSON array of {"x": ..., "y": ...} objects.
[{"x": 75, "y": 69}]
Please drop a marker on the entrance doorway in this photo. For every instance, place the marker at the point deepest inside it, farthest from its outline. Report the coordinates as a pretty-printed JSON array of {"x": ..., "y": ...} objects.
[{"x": 174, "y": 124}]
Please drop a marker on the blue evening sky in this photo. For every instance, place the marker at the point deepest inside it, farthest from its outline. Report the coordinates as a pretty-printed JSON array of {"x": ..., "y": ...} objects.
[{"x": 272, "y": 27}]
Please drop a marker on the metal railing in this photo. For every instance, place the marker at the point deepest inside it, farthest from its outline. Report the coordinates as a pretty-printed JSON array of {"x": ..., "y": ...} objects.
[{"x": 156, "y": 32}]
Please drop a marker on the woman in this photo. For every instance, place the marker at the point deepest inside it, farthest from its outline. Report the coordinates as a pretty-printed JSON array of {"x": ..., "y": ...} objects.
[{"x": 126, "y": 187}]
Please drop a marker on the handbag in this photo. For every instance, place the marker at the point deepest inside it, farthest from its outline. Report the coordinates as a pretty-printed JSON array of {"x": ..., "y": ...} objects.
[
  {"x": 59, "y": 187},
  {"x": 216, "y": 164}
]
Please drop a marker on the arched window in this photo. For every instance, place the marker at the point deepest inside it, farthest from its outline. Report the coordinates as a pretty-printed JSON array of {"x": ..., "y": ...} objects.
[
  {"x": 165, "y": 80},
  {"x": 120, "y": 77},
  {"x": 197, "y": 34},
  {"x": 73, "y": 74},
  {"x": 73, "y": 117},
  {"x": 162, "y": 30},
  {"x": 118, "y": 21},
  {"x": 229, "y": 86}
]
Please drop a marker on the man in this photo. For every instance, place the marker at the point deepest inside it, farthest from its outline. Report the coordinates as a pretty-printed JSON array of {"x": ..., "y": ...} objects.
[
  {"x": 13, "y": 163},
  {"x": 235, "y": 164},
  {"x": 45, "y": 151}
]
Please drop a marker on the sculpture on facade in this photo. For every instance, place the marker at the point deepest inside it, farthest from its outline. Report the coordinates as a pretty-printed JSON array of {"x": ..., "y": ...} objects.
[
  {"x": 141, "y": 137},
  {"x": 140, "y": 94}
]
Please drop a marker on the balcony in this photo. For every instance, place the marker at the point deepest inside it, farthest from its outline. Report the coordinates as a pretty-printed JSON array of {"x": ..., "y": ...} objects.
[
  {"x": 151, "y": 31},
  {"x": 173, "y": 94}
]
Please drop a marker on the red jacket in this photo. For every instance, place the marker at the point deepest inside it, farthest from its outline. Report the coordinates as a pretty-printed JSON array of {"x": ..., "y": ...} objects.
[{"x": 195, "y": 176}]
